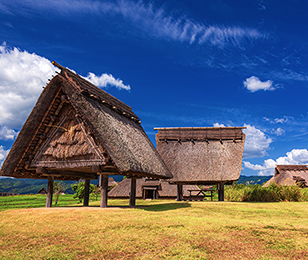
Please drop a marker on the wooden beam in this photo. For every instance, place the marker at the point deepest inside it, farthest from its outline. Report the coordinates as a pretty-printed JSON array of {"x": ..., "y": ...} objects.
[
  {"x": 86, "y": 193},
  {"x": 132, "y": 194},
  {"x": 179, "y": 192},
  {"x": 49, "y": 192},
  {"x": 71, "y": 174},
  {"x": 221, "y": 191},
  {"x": 110, "y": 169},
  {"x": 104, "y": 190}
]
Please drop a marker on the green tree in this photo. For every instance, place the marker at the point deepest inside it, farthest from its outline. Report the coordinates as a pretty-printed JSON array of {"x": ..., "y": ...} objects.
[
  {"x": 79, "y": 189},
  {"x": 59, "y": 188}
]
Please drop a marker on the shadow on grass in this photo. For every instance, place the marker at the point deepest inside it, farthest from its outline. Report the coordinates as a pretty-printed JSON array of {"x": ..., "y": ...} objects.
[{"x": 165, "y": 206}]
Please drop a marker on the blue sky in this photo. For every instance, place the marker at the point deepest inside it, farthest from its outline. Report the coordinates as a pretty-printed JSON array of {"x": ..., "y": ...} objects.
[{"x": 176, "y": 63}]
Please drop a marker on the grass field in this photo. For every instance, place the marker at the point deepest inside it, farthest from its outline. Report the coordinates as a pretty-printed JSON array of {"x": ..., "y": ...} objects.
[{"x": 159, "y": 229}]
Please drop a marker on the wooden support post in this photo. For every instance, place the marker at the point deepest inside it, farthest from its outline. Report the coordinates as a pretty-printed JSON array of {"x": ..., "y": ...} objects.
[
  {"x": 132, "y": 195},
  {"x": 86, "y": 193},
  {"x": 103, "y": 179},
  {"x": 221, "y": 191},
  {"x": 49, "y": 192},
  {"x": 179, "y": 192}
]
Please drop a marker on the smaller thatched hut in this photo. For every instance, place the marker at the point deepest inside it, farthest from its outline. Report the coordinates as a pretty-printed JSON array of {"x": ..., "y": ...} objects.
[
  {"x": 152, "y": 189},
  {"x": 289, "y": 175},
  {"x": 42, "y": 191},
  {"x": 111, "y": 183},
  {"x": 202, "y": 155}
]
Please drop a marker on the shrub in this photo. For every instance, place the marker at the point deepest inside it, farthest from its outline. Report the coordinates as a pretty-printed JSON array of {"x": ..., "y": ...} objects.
[
  {"x": 79, "y": 189},
  {"x": 273, "y": 193}
]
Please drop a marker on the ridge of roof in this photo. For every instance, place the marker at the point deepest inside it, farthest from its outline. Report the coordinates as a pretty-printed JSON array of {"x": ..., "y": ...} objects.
[
  {"x": 291, "y": 167},
  {"x": 88, "y": 89},
  {"x": 198, "y": 128}
]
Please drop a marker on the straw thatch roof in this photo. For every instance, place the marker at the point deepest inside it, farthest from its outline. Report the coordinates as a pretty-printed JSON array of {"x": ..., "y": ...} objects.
[
  {"x": 76, "y": 130},
  {"x": 205, "y": 155},
  {"x": 163, "y": 188},
  {"x": 112, "y": 182},
  {"x": 289, "y": 175},
  {"x": 42, "y": 191}
]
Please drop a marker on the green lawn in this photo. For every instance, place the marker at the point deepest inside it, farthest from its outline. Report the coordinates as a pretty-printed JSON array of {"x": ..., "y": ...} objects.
[{"x": 158, "y": 229}]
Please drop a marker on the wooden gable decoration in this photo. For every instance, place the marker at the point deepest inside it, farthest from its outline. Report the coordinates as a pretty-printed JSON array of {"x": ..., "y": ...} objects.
[{"x": 68, "y": 144}]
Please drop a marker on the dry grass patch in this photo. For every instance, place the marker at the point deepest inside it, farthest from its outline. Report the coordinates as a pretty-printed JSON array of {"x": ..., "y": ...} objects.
[{"x": 158, "y": 230}]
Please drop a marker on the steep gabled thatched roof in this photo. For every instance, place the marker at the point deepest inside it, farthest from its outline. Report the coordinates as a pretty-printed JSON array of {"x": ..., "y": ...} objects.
[
  {"x": 288, "y": 175},
  {"x": 76, "y": 130},
  {"x": 112, "y": 182},
  {"x": 164, "y": 189},
  {"x": 204, "y": 155}
]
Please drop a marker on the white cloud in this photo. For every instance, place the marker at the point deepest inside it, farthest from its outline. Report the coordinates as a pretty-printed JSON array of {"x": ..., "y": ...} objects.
[
  {"x": 279, "y": 131},
  {"x": 253, "y": 84},
  {"x": 3, "y": 154},
  {"x": 7, "y": 134},
  {"x": 106, "y": 79},
  {"x": 296, "y": 156},
  {"x": 22, "y": 77},
  {"x": 218, "y": 125},
  {"x": 281, "y": 120},
  {"x": 155, "y": 22},
  {"x": 256, "y": 143}
]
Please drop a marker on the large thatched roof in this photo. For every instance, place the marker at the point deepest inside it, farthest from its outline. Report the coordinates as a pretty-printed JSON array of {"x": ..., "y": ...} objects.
[
  {"x": 289, "y": 175},
  {"x": 164, "y": 189},
  {"x": 205, "y": 155},
  {"x": 76, "y": 130}
]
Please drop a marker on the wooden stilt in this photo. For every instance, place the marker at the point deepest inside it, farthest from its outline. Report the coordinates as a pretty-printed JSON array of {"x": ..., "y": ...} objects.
[
  {"x": 49, "y": 191},
  {"x": 86, "y": 193},
  {"x": 179, "y": 192},
  {"x": 104, "y": 190},
  {"x": 132, "y": 195},
  {"x": 221, "y": 191}
]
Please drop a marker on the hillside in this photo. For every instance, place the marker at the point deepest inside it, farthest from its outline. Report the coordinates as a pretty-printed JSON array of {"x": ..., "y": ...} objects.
[
  {"x": 27, "y": 186},
  {"x": 253, "y": 179}
]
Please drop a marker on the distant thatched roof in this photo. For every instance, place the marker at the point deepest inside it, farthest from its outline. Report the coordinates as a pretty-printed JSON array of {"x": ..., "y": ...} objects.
[
  {"x": 288, "y": 175},
  {"x": 164, "y": 189},
  {"x": 205, "y": 155},
  {"x": 75, "y": 130},
  {"x": 42, "y": 191},
  {"x": 112, "y": 182}
]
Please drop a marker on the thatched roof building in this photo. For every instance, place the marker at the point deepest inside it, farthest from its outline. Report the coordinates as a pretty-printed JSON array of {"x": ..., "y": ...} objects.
[
  {"x": 42, "y": 191},
  {"x": 205, "y": 155},
  {"x": 149, "y": 189},
  {"x": 111, "y": 182},
  {"x": 289, "y": 175},
  {"x": 76, "y": 130},
  {"x": 202, "y": 155}
]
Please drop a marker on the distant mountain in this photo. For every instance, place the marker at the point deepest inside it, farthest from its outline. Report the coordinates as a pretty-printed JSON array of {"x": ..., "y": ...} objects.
[
  {"x": 253, "y": 179},
  {"x": 27, "y": 186}
]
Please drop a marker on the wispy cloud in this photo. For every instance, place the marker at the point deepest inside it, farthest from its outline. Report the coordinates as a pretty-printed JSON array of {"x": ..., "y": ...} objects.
[
  {"x": 153, "y": 21},
  {"x": 296, "y": 156}
]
